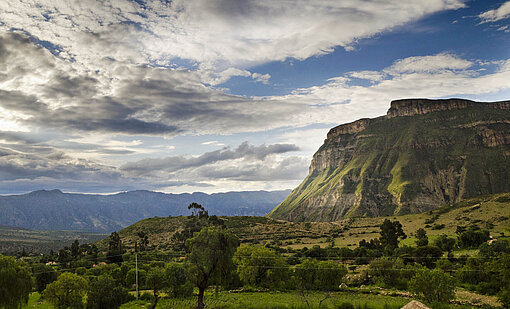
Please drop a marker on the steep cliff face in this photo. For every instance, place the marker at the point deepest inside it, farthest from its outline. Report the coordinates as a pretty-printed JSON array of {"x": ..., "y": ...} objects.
[{"x": 421, "y": 155}]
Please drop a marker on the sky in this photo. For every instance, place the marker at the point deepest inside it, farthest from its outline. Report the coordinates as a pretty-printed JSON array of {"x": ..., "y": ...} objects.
[{"x": 221, "y": 95}]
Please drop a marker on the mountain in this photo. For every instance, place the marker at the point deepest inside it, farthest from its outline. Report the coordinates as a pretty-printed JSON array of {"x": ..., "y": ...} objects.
[
  {"x": 55, "y": 210},
  {"x": 421, "y": 155}
]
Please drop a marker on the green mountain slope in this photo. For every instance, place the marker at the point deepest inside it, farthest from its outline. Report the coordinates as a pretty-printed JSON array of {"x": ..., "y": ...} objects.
[
  {"x": 421, "y": 155},
  {"x": 491, "y": 212}
]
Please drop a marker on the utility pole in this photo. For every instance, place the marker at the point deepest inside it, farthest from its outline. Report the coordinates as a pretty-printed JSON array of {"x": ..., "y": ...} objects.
[{"x": 136, "y": 273}]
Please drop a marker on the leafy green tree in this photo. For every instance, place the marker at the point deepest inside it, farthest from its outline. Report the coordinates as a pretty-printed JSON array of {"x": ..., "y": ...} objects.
[
  {"x": 115, "y": 249},
  {"x": 178, "y": 282},
  {"x": 211, "y": 251},
  {"x": 504, "y": 267},
  {"x": 75, "y": 249},
  {"x": 421, "y": 238},
  {"x": 260, "y": 266},
  {"x": 104, "y": 293},
  {"x": 473, "y": 238},
  {"x": 445, "y": 243},
  {"x": 143, "y": 241},
  {"x": 427, "y": 255},
  {"x": 15, "y": 283},
  {"x": 390, "y": 234},
  {"x": 131, "y": 277},
  {"x": 156, "y": 281},
  {"x": 67, "y": 291},
  {"x": 44, "y": 275},
  {"x": 319, "y": 275},
  {"x": 390, "y": 272},
  {"x": 433, "y": 286}
]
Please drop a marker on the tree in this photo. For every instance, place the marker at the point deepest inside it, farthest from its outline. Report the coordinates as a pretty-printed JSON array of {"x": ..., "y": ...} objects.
[
  {"x": 131, "y": 277},
  {"x": 504, "y": 272},
  {"x": 104, "y": 293},
  {"x": 445, "y": 243},
  {"x": 197, "y": 209},
  {"x": 390, "y": 233},
  {"x": 318, "y": 275},
  {"x": 115, "y": 250},
  {"x": 421, "y": 238},
  {"x": 67, "y": 291},
  {"x": 433, "y": 286},
  {"x": 156, "y": 281},
  {"x": 211, "y": 251},
  {"x": 75, "y": 249},
  {"x": 44, "y": 275},
  {"x": 473, "y": 238},
  {"x": 427, "y": 255},
  {"x": 15, "y": 283},
  {"x": 178, "y": 283},
  {"x": 144, "y": 240},
  {"x": 260, "y": 266}
]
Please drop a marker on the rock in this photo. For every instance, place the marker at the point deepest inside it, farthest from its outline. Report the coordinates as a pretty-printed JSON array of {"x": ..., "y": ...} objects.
[{"x": 423, "y": 154}]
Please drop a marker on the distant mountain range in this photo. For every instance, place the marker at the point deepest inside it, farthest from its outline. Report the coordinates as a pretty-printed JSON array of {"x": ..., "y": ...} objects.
[
  {"x": 423, "y": 154},
  {"x": 55, "y": 210}
]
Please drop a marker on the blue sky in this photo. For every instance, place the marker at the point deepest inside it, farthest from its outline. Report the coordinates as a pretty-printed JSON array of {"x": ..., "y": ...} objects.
[{"x": 221, "y": 95}]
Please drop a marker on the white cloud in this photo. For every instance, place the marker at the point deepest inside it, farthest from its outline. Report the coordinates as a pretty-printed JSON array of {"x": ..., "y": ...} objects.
[
  {"x": 222, "y": 33},
  {"x": 500, "y": 13},
  {"x": 429, "y": 64}
]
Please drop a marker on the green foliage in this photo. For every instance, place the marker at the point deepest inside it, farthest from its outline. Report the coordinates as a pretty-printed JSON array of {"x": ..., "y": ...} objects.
[
  {"x": 44, "y": 275},
  {"x": 211, "y": 251},
  {"x": 319, "y": 275},
  {"x": 177, "y": 279},
  {"x": 473, "y": 238},
  {"x": 427, "y": 255},
  {"x": 15, "y": 283},
  {"x": 391, "y": 273},
  {"x": 390, "y": 234},
  {"x": 421, "y": 237},
  {"x": 260, "y": 266},
  {"x": 104, "y": 293},
  {"x": 115, "y": 249},
  {"x": 131, "y": 277},
  {"x": 67, "y": 291},
  {"x": 445, "y": 243},
  {"x": 156, "y": 281},
  {"x": 433, "y": 286}
]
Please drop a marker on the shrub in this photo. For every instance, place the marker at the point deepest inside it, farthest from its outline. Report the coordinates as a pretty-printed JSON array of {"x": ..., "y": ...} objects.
[{"x": 433, "y": 286}]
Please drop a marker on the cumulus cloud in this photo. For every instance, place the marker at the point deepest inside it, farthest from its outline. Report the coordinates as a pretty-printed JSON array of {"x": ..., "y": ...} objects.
[
  {"x": 40, "y": 90},
  {"x": 175, "y": 163},
  {"x": 503, "y": 12},
  {"x": 217, "y": 34},
  {"x": 429, "y": 64}
]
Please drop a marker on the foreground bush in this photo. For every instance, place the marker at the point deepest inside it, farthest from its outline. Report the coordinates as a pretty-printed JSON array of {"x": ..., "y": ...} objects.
[
  {"x": 67, "y": 291},
  {"x": 433, "y": 286}
]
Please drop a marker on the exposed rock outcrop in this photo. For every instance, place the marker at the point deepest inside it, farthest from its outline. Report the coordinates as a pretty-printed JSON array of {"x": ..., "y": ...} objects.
[{"x": 421, "y": 155}]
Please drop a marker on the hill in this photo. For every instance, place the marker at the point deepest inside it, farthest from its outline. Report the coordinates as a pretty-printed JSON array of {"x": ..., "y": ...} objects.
[
  {"x": 490, "y": 212},
  {"x": 423, "y": 154},
  {"x": 14, "y": 240},
  {"x": 55, "y": 210}
]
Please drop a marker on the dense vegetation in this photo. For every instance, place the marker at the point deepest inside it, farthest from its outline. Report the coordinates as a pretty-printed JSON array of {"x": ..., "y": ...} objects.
[{"x": 208, "y": 256}]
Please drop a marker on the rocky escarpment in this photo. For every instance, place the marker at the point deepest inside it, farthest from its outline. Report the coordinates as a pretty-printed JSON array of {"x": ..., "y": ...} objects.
[{"x": 421, "y": 155}]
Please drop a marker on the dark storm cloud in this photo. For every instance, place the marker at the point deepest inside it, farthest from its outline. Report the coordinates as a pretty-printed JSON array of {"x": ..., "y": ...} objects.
[{"x": 176, "y": 163}]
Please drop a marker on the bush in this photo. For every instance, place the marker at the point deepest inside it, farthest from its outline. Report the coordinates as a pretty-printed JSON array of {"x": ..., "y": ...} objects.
[
  {"x": 104, "y": 293},
  {"x": 433, "y": 286}
]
